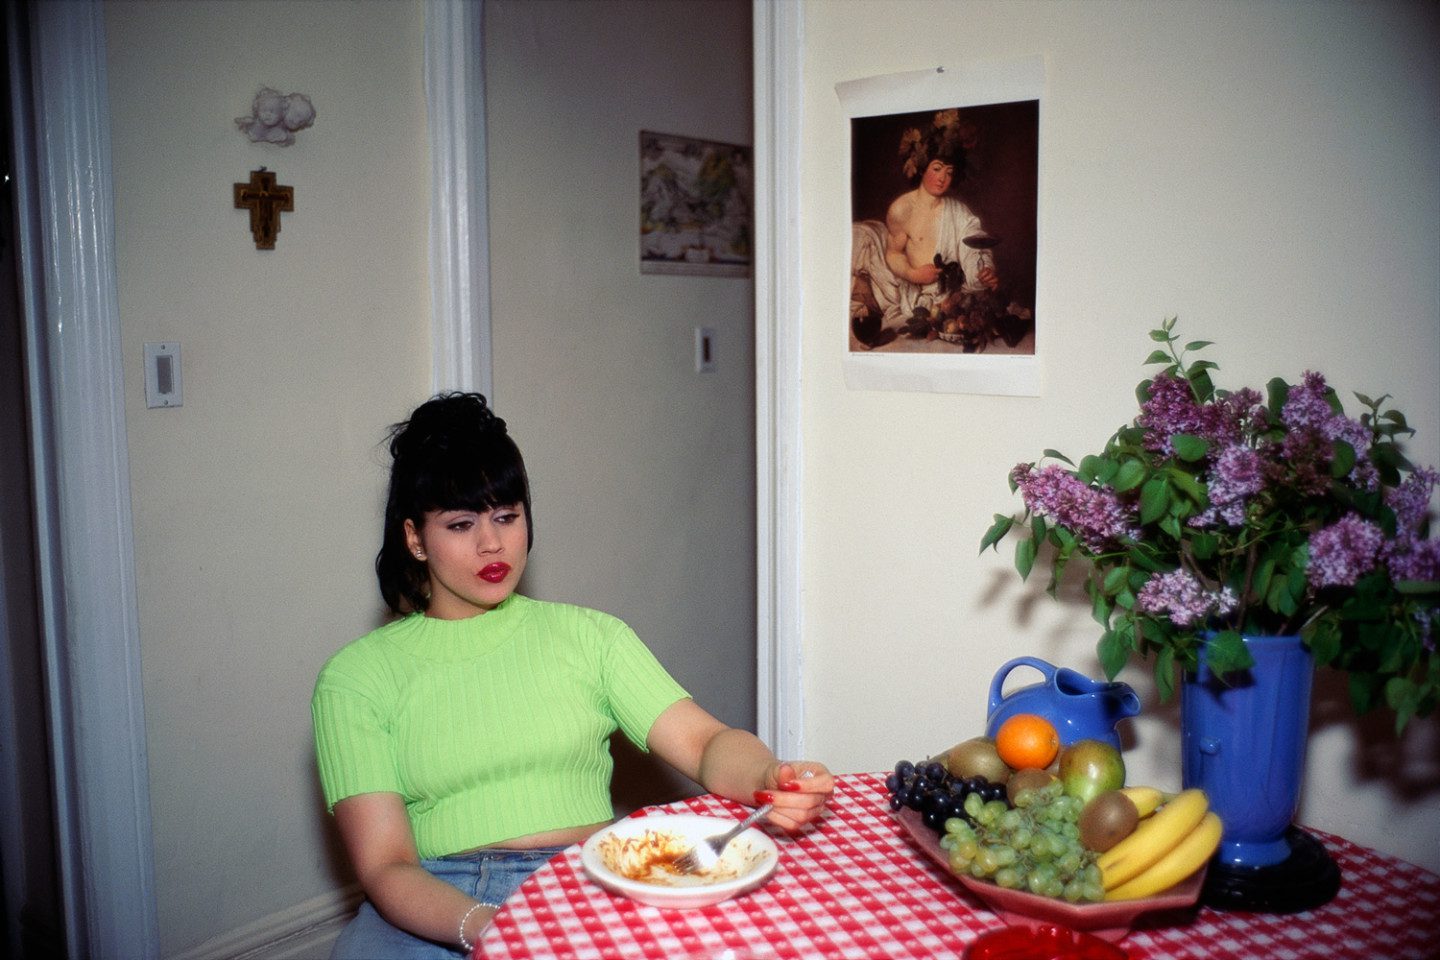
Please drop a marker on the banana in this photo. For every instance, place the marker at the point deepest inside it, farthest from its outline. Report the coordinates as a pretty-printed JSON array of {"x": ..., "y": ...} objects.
[
  {"x": 1155, "y": 837},
  {"x": 1180, "y": 862},
  {"x": 1146, "y": 799}
]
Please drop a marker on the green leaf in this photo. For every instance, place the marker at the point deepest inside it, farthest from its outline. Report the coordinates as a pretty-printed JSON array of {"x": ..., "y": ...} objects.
[
  {"x": 1204, "y": 545},
  {"x": 1161, "y": 336},
  {"x": 1158, "y": 356},
  {"x": 1199, "y": 344},
  {"x": 1115, "y": 578},
  {"x": 1342, "y": 459},
  {"x": 1325, "y": 643},
  {"x": 1171, "y": 525},
  {"x": 997, "y": 531},
  {"x": 1189, "y": 447},
  {"x": 1057, "y": 455},
  {"x": 1189, "y": 486},
  {"x": 1277, "y": 391},
  {"x": 1202, "y": 385},
  {"x": 1100, "y": 609},
  {"x": 1090, "y": 467},
  {"x": 1113, "y": 652},
  {"x": 1417, "y": 588},
  {"x": 1154, "y": 499},
  {"x": 1025, "y": 557},
  {"x": 1165, "y": 673},
  {"x": 1038, "y": 529},
  {"x": 1226, "y": 653},
  {"x": 1130, "y": 475}
]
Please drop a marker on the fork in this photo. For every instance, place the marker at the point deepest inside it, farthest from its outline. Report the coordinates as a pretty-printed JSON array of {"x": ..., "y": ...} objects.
[{"x": 704, "y": 854}]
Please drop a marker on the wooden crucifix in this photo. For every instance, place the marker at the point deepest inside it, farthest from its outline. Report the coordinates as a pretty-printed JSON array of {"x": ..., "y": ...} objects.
[{"x": 266, "y": 202}]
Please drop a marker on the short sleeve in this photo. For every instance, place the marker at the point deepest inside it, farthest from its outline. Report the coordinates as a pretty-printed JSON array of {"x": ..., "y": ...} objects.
[
  {"x": 637, "y": 688},
  {"x": 352, "y": 742}
]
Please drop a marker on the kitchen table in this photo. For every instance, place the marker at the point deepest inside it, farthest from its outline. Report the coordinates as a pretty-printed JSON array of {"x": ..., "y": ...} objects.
[{"x": 857, "y": 887}]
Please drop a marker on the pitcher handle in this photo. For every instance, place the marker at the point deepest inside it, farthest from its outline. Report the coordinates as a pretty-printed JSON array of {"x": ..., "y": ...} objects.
[{"x": 998, "y": 684}]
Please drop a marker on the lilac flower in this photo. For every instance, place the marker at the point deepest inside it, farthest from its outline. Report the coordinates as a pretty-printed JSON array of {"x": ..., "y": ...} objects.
[
  {"x": 1308, "y": 415},
  {"x": 1171, "y": 408},
  {"x": 1239, "y": 474},
  {"x": 1097, "y": 517},
  {"x": 1343, "y": 552},
  {"x": 1182, "y": 599},
  {"x": 1411, "y": 500},
  {"x": 1306, "y": 405},
  {"x": 1411, "y": 559}
]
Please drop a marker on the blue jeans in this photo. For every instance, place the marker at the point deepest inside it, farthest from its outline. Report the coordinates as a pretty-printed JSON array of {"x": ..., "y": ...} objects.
[{"x": 487, "y": 875}]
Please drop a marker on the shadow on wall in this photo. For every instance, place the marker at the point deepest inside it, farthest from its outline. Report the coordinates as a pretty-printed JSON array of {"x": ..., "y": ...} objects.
[
  {"x": 1409, "y": 764},
  {"x": 643, "y": 779}
]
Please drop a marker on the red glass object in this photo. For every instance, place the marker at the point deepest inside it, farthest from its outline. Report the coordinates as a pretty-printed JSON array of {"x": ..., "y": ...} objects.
[{"x": 1045, "y": 941}]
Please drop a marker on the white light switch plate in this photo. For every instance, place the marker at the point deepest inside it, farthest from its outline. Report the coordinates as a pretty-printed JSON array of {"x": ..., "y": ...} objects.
[{"x": 162, "y": 374}]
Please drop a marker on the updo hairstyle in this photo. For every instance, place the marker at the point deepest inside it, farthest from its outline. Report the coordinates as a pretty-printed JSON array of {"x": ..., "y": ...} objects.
[{"x": 452, "y": 454}]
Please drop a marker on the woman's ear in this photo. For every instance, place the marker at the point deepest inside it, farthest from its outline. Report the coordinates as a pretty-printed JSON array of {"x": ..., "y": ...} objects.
[{"x": 413, "y": 542}]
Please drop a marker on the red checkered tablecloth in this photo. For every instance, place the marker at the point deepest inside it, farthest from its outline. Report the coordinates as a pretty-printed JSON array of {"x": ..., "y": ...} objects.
[{"x": 857, "y": 887}]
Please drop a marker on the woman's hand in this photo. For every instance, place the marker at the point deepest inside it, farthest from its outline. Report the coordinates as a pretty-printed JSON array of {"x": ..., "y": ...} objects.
[{"x": 799, "y": 790}]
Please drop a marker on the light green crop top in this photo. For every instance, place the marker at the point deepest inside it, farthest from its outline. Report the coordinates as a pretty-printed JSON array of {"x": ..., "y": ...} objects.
[{"x": 489, "y": 728}]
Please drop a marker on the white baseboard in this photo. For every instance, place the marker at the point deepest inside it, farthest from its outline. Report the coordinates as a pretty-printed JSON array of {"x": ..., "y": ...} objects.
[{"x": 304, "y": 931}]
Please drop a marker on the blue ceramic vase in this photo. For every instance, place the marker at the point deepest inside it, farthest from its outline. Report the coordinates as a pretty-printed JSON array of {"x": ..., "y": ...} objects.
[{"x": 1244, "y": 744}]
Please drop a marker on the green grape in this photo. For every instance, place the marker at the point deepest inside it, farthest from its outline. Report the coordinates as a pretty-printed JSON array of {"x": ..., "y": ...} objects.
[
  {"x": 1022, "y": 838},
  {"x": 959, "y": 826},
  {"x": 1074, "y": 891},
  {"x": 967, "y": 848},
  {"x": 947, "y": 842},
  {"x": 1006, "y": 856},
  {"x": 973, "y": 805},
  {"x": 1093, "y": 892},
  {"x": 1011, "y": 820},
  {"x": 959, "y": 861},
  {"x": 988, "y": 859},
  {"x": 1008, "y": 877}
]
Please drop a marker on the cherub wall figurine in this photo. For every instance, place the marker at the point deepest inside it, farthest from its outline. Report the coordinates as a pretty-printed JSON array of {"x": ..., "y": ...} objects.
[{"x": 275, "y": 118}]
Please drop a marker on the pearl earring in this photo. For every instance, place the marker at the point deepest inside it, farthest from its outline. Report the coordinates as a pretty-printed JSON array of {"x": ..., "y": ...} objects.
[{"x": 419, "y": 555}]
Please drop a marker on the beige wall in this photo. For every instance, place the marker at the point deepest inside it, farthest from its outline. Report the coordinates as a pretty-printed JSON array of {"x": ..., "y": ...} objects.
[
  {"x": 256, "y": 502},
  {"x": 1266, "y": 171}
]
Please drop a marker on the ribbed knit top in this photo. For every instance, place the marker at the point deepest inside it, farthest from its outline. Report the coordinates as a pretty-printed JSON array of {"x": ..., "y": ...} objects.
[{"x": 489, "y": 728}]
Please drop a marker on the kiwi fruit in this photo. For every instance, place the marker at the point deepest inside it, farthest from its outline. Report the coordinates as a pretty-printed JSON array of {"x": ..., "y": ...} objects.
[
  {"x": 976, "y": 757},
  {"x": 1106, "y": 820},
  {"x": 1028, "y": 779}
]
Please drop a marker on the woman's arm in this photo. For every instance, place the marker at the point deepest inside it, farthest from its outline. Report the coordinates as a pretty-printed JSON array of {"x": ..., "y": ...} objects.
[
  {"x": 735, "y": 764},
  {"x": 381, "y": 845}
]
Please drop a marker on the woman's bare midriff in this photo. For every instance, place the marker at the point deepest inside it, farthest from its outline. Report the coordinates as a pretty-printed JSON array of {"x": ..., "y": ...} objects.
[{"x": 548, "y": 838}]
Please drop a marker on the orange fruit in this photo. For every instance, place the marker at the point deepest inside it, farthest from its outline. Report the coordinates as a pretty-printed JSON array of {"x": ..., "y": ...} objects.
[{"x": 1027, "y": 741}]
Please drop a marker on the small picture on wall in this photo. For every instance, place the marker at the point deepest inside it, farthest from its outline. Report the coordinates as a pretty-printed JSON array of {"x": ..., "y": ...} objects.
[
  {"x": 943, "y": 246},
  {"x": 695, "y": 206}
]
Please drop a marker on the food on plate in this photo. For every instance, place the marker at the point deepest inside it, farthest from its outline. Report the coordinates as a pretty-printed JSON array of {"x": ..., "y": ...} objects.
[
  {"x": 1079, "y": 834},
  {"x": 650, "y": 857},
  {"x": 1090, "y": 767},
  {"x": 1109, "y": 818},
  {"x": 1165, "y": 836},
  {"x": 1033, "y": 846},
  {"x": 929, "y": 789},
  {"x": 1027, "y": 741},
  {"x": 1027, "y": 780},
  {"x": 1182, "y": 860},
  {"x": 977, "y": 757}
]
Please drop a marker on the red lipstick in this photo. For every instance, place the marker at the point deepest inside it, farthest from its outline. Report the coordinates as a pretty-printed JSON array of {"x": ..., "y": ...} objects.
[{"x": 494, "y": 572}]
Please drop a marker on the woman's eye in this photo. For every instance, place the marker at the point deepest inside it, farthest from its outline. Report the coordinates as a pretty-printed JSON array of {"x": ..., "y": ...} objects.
[{"x": 458, "y": 526}]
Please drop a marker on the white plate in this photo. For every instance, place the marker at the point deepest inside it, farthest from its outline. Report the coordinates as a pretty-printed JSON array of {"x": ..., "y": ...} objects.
[{"x": 631, "y": 845}]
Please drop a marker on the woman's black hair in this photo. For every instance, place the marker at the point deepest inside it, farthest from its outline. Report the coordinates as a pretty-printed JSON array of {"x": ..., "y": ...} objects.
[{"x": 452, "y": 454}]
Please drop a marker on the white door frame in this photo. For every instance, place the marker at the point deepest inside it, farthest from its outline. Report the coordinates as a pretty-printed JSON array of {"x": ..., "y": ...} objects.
[
  {"x": 86, "y": 566},
  {"x": 778, "y": 60}
]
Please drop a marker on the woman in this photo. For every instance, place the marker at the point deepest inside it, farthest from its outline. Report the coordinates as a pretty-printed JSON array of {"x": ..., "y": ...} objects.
[{"x": 463, "y": 744}]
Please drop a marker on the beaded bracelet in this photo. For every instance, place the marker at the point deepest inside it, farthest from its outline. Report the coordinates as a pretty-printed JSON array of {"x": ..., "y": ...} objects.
[{"x": 470, "y": 947}]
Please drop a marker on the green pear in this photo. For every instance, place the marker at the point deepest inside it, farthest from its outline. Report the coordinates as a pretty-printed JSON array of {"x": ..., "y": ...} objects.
[{"x": 1090, "y": 767}]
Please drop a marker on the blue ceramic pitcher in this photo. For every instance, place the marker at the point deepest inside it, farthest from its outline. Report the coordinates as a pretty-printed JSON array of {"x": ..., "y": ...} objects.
[{"x": 1078, "y": 707}]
